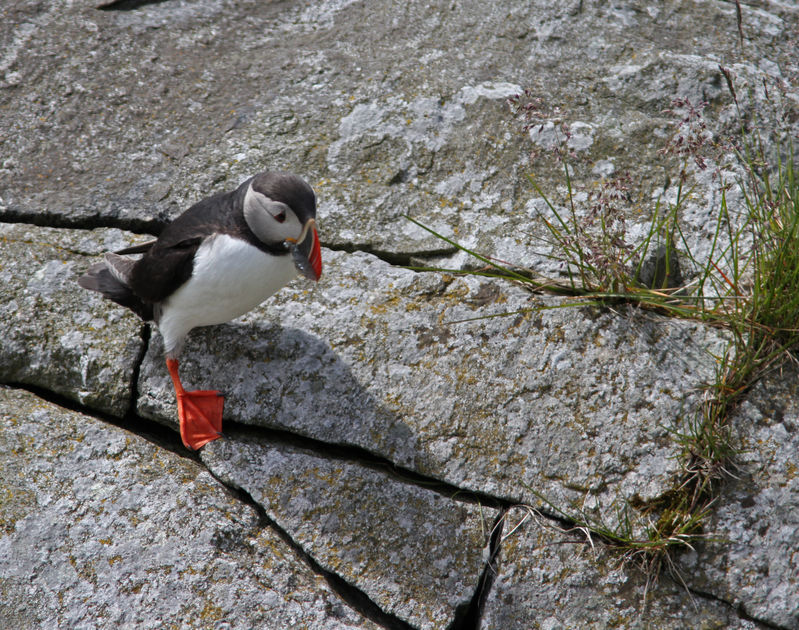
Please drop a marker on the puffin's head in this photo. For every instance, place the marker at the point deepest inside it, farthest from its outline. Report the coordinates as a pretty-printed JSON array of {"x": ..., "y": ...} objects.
[{"x": 280, "y": 208}]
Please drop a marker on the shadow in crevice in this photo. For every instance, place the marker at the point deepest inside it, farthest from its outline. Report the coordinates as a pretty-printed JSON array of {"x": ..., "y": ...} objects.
[
  {"x": 154, "y": 432},
  {"x": 236, "y": 430},
  {"x": 83, "y": 221},
  {"x": 403, "y": 259},
  {"x": 126, "y": 5},
  {"x": 468, "y": 616}
]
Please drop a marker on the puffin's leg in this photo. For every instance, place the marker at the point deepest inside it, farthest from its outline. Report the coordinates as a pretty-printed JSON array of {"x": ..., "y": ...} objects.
[{"x": 200, "y": 412}]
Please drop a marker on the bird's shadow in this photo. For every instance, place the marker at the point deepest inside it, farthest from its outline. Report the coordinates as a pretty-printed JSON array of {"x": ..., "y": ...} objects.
[{"x": 278, "y": 378}]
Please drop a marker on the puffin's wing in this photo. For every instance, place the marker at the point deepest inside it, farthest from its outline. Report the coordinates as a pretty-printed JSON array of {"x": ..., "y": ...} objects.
[
  {"x": 163, "y": 269},
  {"x": 168, "y": 262}
]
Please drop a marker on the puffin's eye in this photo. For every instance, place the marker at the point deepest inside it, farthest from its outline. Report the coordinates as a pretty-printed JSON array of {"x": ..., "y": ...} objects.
[{"x": 280, "y": 217}]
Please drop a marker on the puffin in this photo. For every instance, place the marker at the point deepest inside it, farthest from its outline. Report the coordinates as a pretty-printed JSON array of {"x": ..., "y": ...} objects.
[{"x": 218, "y": 260}]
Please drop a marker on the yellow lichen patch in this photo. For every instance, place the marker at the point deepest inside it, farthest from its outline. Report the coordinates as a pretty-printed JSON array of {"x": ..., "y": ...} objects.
[
  {"x": 15, "y": 504},
  {"x": 331, "y": 476},
  {"x": 212, "y": 612},
  {"x": 387, "y": 305}
]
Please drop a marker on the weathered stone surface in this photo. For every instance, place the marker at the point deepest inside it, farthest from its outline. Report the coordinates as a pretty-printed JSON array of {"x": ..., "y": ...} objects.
[
  {"x": 757, "y": 515},
  {"x": 564, "y": 401},
  {"x": 547, "y": 580},
  {"x": 100, "y": 529},
  {"x": 417, "y": 554},
  {"x": 125, "y": 118},
  {"x": 57, "y": 335}
]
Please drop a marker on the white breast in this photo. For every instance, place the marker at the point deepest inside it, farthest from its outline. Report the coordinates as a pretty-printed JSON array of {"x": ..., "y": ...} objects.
[{"x": 230, "y": 277}]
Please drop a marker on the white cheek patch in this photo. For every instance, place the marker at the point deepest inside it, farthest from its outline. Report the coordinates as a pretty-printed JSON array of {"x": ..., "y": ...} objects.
[{"x": 260, "y": 212}]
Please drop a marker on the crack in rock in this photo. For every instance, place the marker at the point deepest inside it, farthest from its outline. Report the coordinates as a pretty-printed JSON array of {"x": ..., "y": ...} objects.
[
  {"x": 739, "y": 609},
  {"x": 415, "y": 553},
  {"x": 348, "y": 592},
  {"x": 362, "y": 457},
  {"x": 165, "y": 438},
  {"x": 401, "y": 259},
  {"x": 126, "y": 5},
  {"x": 468, "y": 617},
  {"x": 14, "y": 214}
]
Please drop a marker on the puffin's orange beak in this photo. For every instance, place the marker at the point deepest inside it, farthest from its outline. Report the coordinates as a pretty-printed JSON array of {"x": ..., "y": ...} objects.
[{"x": 307, "y": 253}]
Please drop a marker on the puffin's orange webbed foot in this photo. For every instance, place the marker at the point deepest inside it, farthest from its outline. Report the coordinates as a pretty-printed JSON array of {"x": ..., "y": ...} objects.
[{"x": 200, "y": 414}]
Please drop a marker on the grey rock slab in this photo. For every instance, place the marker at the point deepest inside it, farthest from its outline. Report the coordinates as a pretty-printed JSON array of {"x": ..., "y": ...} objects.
[
  {"x": 415, "y": 553},
  {"x": 57, "y": 335},
  {"x": 756, "y": 518},
  {"x": 387, "y": 107},
  {"x": 100, "y": 528},
  {"x": 547, "y": 579},
  {"x": 572, "y": 403}
]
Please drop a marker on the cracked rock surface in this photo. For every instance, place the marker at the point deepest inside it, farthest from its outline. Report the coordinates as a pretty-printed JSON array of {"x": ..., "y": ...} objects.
[
  {"x": 342, "y": 512},
  {"x": 378, "y": 424},
  {"x": 546, "y": 579},
  {"x": 54, "y": 337},
  {"x": 101, "y": 528}
]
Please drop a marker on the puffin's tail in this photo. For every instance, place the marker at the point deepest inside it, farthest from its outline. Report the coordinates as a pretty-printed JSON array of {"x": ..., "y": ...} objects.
[{"x": 110, "y": 278}]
